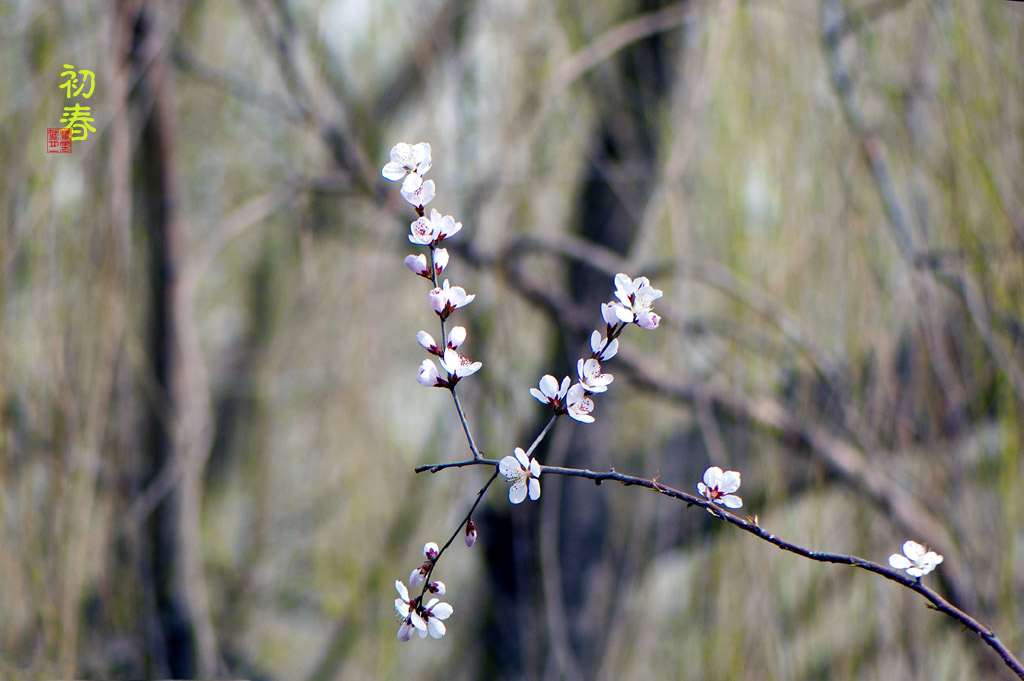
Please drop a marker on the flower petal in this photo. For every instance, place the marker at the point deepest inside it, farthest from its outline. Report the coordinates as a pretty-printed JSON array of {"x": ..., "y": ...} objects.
[
  {"x": 713, "y": 476},
  {"x": 524, "y": 461},
  {"x": 517, "y": 492},
  {"x": 730, "y": 482},
  {"x": 534, "y": 486},
  {"x": 899, "y": 561},
  {"x": 509, "y": 467},
  {"x": 913, "y": 550},
  {"x": 732, "y": 501}
]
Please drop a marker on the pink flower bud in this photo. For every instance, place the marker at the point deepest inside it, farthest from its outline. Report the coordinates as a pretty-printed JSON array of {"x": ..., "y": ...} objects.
[{"x": 470, "y": 533}]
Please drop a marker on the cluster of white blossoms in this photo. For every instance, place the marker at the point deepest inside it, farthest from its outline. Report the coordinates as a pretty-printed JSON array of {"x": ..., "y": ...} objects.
[
  {"x": 635, "y": 299},
  {"x": 408, "y": 164},
  {"x": 415, "y": 616},
  {"x": 634, "y": 305}
]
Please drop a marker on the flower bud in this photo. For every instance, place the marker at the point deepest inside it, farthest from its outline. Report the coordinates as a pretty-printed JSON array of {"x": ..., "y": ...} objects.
[
  {"x": 456, "y": 337},
  {"x": 430, "y": 550},
  {"x": 470, "y": 533},
  {"x": 417, "y": 264},
  {"x": 436, "y": 588},
  {"x": 417, "y": 576}
]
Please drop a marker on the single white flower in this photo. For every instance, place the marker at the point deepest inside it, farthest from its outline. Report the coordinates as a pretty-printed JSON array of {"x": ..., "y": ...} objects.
[
  {"x": 591, "y": 377},
  {"x": 458, "y": 366},
  {"x": 419, "y": 575},
  {"x": 917, "y": 559},
  {"x": 429, "y": 377},
  {"x": 417, "y": 264},
  {"x": 550, "y": 392},
  {"x": 406, "y": 608},
  {"x": 456, "y": 337},
  {"x": 422, "y": 231},
  {"x": 417, "y": 192},
  {"x": 407, "y": 158},
  {"x": 578, "y": 405},
  {"x": 430, "y": 550},
  {"x": 445, "y": 225},
  {"x": 436, "y": 588},
  {"x": 432, "y": 615},
  {"x": 603, "y": 350},
  {"x": 524, "y": 473},
  {"x": 614, "y": 313},
  {"x": 446, "y": 298},
  {"x": 718, "y": 487},
  {"x": 427, "y": 342}
]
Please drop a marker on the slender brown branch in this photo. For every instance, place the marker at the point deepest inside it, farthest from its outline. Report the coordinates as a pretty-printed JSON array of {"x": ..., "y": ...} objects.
[{"x": 936, "y": 601}]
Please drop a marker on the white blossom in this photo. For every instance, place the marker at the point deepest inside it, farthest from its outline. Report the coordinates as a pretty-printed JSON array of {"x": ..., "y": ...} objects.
[
  {"x": 591, "y": 377},
  {"x": 406, "y": 608},
  {"x": 432, "y": 615},
  {"x": 917, "y": 560},
  {"x": 614, "y": 313},
  {"x": 417, "y": 192},
  {"x": 422, "y": 231},
  {"x": 405, "y": 159},
  {"x": 417, "y": 264},
  {"x": 550, "y": 392},
  {"x": 578, "y": 405},
  {"x": 718, "y": 487},
  {"x": 437, "y": 588},
  {"x": 429, "y": 377},
  {"x": 603, "y": 349},
  {"x": 458, "y": 366},
  {"x": 524, "y": 473},
  {"x": 446, "y": 298},
  {"x": 456, "y": 337}
]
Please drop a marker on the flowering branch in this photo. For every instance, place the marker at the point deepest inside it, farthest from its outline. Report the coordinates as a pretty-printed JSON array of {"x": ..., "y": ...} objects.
[
  {"x": 750, "y": 525},
  {"x": 633, "y": 305}
]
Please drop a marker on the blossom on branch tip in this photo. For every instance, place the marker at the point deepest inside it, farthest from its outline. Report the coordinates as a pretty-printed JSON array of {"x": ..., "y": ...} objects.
[
  {"x": 578, "y": 405},
  {"x": 446, "y": 298},
  {"x": 602, "y": 348},
  {"x": 638, "y": 296},
  {"x": 524, "y": 473},
  {"x": 407, "y": 158},
  {"x": 591, "y": 378},
  {"x": 916, "y": 559},
  {"x": 550, "y": 392},
  {"x": 718, "y": 487}
]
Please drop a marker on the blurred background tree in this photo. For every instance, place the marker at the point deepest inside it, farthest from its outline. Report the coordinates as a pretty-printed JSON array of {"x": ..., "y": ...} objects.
[{"x": 209, "y": 414}]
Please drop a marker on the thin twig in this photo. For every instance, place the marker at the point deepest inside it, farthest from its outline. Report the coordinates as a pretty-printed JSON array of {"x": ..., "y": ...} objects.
[{"x": 937, "y": 602}]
